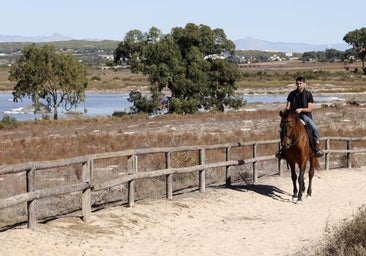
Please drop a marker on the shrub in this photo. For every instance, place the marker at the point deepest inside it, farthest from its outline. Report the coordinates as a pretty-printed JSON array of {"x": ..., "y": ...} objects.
[
  {"x": 349, "y": 239},
  {"x": 8, "y": 122},
  {"x": 96, "y": 78}
]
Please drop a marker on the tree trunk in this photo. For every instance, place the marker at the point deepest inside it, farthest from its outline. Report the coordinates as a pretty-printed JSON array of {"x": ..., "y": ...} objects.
[{"x": 55, "y": 114}]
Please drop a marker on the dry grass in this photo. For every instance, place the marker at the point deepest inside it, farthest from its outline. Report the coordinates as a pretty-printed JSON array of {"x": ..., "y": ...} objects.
[
  {"x": 48, "y": 140},
  {"x": 349, "y": 239}
]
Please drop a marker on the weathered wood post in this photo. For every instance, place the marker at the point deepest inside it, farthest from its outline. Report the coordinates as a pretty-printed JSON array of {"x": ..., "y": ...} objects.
[
  {"x": 169, "y": 177},
  {"x": 349, "y": 154},
  {"x": 32, "y": 219},
  {"x": 327, "y": 154},
  {"x": 202, "y": 173},
  {"x": 255, "y": 174},
  {"x": 86, "y": 194},
  {"x": 228, "y": 168},
  {"x": 132, "y": 169}
]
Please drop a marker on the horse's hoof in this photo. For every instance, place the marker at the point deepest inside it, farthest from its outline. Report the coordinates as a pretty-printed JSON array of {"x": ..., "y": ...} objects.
[
  {"x": 294, "y": 200},
  {"x": 299, "y": 202},
  {"x": 308, "y": 197}
]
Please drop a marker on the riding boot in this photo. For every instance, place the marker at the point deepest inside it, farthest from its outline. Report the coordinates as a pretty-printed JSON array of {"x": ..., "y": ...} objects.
[
  {"x": 318, "y": 151},
  {"x": 280, "y": 154}
]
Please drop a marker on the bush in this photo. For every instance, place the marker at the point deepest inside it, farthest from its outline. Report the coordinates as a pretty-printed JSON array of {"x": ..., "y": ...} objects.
[
  {"x": 96, "y": 78},
  {"x": 349, "y": 239},
  {"x": 120, "y": 113},
  {"x": 8, "y": 122}
]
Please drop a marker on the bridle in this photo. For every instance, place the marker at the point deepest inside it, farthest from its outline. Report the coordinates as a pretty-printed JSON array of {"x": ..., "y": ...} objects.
[{"x": 284, "y": 133}]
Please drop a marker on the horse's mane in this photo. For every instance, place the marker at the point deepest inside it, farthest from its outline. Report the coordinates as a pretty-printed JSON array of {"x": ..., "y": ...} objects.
[{"x": 286, "y": 114}]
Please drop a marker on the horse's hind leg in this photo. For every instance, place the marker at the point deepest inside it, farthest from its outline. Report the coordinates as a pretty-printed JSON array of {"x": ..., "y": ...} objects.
[{"x": 311, "y": 175}]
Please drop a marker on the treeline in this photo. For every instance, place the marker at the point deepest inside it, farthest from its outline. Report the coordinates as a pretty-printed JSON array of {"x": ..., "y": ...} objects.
[
  {"x": 12, "y": 47},
  {"x": 96, "y": 52},
  {"x": 328, "y": 55},
  {"x": 91, "y": 53}
]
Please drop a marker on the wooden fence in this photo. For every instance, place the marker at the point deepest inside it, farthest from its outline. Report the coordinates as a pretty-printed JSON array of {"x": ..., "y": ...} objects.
[{"x": 87, "y": 184}]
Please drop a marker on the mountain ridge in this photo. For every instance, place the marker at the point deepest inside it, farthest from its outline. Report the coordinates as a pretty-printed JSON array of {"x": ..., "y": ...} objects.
[
  {"x": 247, "y": 43},
  {"x": 36, "y": 39},
  {"x": 250, "y": 43}
]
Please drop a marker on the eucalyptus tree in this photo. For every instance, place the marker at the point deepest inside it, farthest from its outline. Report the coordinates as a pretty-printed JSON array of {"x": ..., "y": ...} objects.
[
  {"x": 187, "y": 62},
  {"x": 357, "y": 38},
  {"x": 58, "y": 79}
]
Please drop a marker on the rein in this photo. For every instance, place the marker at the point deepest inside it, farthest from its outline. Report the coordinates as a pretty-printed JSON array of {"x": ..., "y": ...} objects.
[{"x": 292, "y": 135}]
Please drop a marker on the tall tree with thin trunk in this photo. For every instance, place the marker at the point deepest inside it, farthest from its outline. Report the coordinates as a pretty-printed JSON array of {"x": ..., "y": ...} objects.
[{"x": 49, "y": 78}]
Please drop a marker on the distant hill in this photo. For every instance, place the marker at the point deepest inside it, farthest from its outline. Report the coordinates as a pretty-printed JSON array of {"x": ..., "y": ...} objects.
[
  {"x": 36, "y": 39},
  {"x": 249, "y": 43},
  {"x": 105, "y": 46}
]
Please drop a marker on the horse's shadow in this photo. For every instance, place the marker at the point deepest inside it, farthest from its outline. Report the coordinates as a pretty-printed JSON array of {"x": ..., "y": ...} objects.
[{"x": 265, "y": 190}]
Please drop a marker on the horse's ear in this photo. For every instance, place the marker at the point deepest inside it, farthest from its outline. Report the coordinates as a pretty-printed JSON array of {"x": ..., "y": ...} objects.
[{"x": 281, "y": 113}]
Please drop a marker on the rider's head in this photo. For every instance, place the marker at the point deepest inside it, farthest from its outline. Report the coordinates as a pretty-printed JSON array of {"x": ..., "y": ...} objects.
[{"x": 300, "y": 83}]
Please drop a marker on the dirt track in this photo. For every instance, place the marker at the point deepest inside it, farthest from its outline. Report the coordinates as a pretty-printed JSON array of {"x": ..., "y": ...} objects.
[{"x": 245, "y": 220}]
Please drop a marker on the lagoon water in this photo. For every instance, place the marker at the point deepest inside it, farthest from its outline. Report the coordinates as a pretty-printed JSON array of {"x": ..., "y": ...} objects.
[
  {"x": 95, "y": 104},
  {"x": 104, "y": 104}
]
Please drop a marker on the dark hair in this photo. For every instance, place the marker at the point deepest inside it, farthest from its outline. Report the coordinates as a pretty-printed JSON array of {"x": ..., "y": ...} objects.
[{"x": 300, "y": 79}]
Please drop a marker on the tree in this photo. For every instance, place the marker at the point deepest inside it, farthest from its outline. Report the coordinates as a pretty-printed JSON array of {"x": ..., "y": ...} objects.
[
  {"x": 309, "y": 56},
  {"x": 357, "y": 39},
  {"x": 180, "y": 62},
  {"x": 332, "y": 55},
  {"x": 43, "y": 74}
]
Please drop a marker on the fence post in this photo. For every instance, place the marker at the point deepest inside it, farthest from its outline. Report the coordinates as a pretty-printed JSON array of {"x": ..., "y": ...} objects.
[
  {"x": 228, "y": 168},
  {"x": 327, "y": 154},
  {"x": 202, "y": 173},
  {"x": 255, "y": 174},
  {"x": 86, "y": 194},
  {"x": 31, "y": 205},
  {"x": 132, "y": 169},
  {"x": 169, "y": 177},
  {"x": 349, "y": 154}
]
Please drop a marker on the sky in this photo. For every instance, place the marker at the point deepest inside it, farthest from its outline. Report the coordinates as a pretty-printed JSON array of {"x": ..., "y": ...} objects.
[{"x": 308, "y": 21}]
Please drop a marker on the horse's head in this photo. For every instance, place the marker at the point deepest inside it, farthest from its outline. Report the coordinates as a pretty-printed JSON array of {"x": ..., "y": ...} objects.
[{"x": 288, "y": 128}]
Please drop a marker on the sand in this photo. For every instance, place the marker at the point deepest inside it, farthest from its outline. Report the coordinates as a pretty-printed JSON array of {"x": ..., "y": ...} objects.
[{"x": 244, "y": 220}]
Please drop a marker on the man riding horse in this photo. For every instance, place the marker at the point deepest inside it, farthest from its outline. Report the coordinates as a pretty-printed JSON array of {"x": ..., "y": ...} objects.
[{"x": 301, "y": 101}]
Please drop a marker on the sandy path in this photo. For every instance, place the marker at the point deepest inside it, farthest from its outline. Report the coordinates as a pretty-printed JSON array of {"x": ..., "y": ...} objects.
[{"x": 245, "y": 220}]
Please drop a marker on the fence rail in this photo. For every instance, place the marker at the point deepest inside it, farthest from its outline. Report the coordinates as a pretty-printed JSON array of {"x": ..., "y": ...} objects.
[{"x": 88, "y": 184}]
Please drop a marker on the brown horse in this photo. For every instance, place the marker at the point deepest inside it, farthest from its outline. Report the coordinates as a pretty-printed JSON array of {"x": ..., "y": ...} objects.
[{"x": 297, "y": 149}]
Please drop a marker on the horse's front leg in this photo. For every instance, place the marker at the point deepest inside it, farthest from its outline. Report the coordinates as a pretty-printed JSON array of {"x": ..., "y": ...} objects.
[
  {"x": 294, "y": 182},
  {"x": 301, "y": 185}
]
